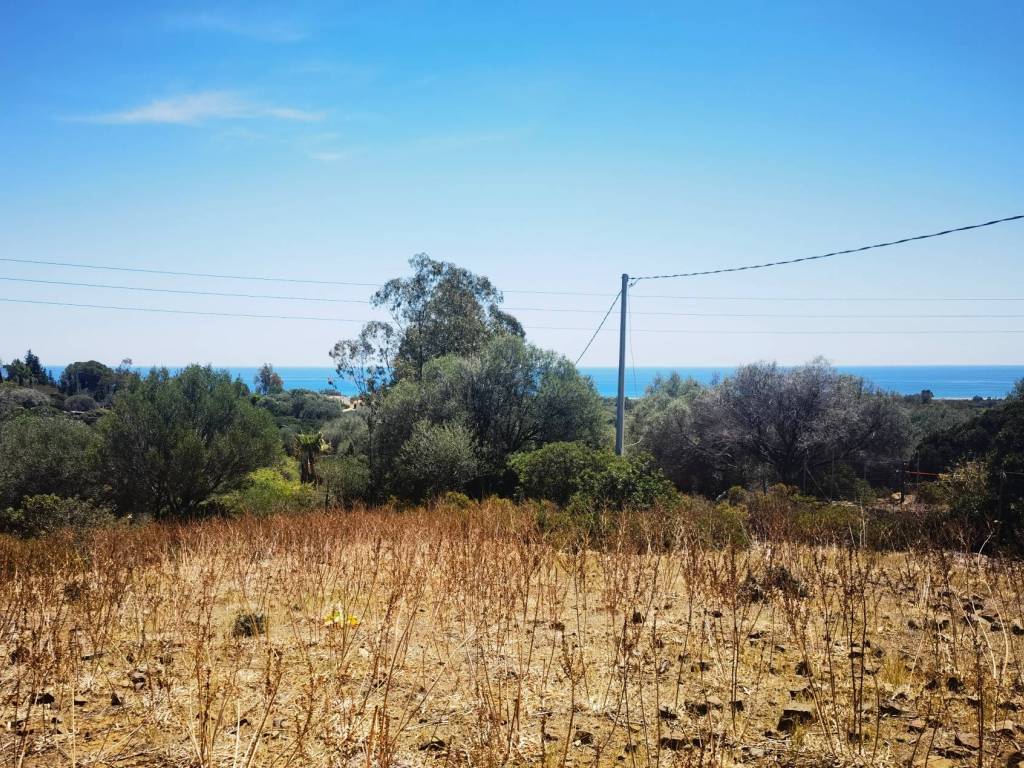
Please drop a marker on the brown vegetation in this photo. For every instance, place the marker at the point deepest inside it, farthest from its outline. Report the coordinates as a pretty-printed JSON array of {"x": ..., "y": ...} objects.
[{"x": 461, "y": 635}]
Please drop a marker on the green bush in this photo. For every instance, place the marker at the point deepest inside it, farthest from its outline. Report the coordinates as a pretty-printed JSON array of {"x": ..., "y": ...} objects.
[
  {"x": 623, "y": 483},
  {"x": 436, "y": 458},
  {"x": 46, "y": 513},
  {"x": 344, "y": 478},
  {"x": 170, "y": 443},
  {"x": 270, "y": 490},
  {"x": 45, "y": 455},
  {"x": 555, "y": 471}
]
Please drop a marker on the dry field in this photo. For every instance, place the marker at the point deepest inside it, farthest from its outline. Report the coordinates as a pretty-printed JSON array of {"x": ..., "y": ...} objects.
[{"x": 449, "y": 636}]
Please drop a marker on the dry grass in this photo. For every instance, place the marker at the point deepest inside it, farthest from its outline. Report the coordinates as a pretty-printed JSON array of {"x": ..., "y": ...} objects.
[{"x": 449, "y": 636}]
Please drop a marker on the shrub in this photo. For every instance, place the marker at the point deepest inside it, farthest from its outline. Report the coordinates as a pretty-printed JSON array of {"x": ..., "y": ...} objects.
[
  {"x": 270, "y": 490},
  {"x": 967, "y": 498},
  {"x": 80, "y": 403},
  {"x": 172, "y": 442},
  {"x": 435, "y": 458},
  {"x": 555, "y": 471},
  {"x": 14, "y": 398},
  {"x": 621, "y": 483},
  {"x": 45, "y": 455},
  {"x": 48, "y": 513},
  {"x": 345, "y": 478}
]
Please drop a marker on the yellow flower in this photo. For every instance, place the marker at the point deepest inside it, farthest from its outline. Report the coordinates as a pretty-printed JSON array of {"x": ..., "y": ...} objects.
[{"x": 338, "y": 616}]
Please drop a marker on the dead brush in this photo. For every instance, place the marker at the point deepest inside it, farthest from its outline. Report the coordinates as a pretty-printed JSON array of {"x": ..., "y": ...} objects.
[{"x": 464, "y": 636}]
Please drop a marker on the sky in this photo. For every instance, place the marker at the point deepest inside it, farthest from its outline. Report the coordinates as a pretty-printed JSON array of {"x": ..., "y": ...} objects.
[{"x": 549, "y": 146}]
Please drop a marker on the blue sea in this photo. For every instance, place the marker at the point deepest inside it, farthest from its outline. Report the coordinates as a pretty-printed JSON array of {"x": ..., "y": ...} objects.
[{"x": 946, "y": 381}]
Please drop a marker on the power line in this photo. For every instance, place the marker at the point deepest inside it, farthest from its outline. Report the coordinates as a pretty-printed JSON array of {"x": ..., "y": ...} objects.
[
  {"x": 827, "y": 298},
  {"x": 901, "y": 241},
  {"x": 174, "y": 273},
  {"x": 181, "y": 311},
  {"x": 228, "y": 294},
  {"x": 182, "y": 291},
  {"x": 599, "y": 326},
  {"x": 219, "y": 276}
]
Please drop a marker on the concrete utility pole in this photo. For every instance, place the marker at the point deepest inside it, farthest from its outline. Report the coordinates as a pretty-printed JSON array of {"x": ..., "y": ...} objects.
[{"x": 620, "y": 404}]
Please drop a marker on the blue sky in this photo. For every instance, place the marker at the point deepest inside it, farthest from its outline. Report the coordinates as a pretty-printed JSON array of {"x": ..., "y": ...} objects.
[{"x": 551, "y": 147}]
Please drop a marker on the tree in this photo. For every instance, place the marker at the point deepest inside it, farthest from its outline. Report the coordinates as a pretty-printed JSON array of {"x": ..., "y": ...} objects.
[
  {"x": 267, "y": 381},
  {"x": 28, "y": 372},
  {"x": 441, "y": 310},
  {"x": 799, "y": 421},
  {"x": 88, "y": 378},
  {"x": 510, "y": 397},
  {"x": 662, "y": 424},
  {"x": 172, "y": 442},
  {"x": 308, "y": 447}
]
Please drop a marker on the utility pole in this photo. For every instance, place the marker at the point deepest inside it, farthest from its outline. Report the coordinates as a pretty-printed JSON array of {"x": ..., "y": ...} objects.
[{"x": 620, "y": 404}]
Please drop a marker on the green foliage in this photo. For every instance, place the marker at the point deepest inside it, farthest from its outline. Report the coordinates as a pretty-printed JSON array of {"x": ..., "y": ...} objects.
[
  {"x": 442, "y": 309},
  {"x": 308, "y": 447},
  {"x": 623, "y": 483},
  {"x": 89, "y": 378},
  {"x": 171, "y": 442},
  {"x": 436, "y": 458},
  {"x": 47, "y": 513},
  {"x": 348, "y": 433},
  {"x": 270, "y": 490},
  {"x": 511, "y": 397},
  {"x": 344, "y": 478},
  {"x": 45, "y": 455},
  {"x": 555, "y": 471},
  {"x": 28, "y": 372}
]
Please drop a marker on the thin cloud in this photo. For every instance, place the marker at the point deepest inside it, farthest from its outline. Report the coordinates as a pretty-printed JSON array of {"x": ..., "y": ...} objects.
[
  {"x": 330, "y": 157},
  {"x": 201, "y": 107},
  {"x": 264, "y": 30}
]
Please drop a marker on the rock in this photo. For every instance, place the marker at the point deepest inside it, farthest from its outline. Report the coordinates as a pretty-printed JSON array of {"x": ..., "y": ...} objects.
[
  {"x": 795, "y": 714},
  {"x": 891, "y": 709},
  {"x": 672, "y": 743},
  {"x": 917, "y": 725},
  {"x": 584, "y": 737},
  {"x": 701, "y": 708},
  {"x": 434, "y": 745},
  {"x": 1017, "y": 628},
  {"x": 803, "y": 693},
  {"x": 1005, "y": 728},
  {"x": 967, "y": 740},
  {"x": 934, "y": 761}
]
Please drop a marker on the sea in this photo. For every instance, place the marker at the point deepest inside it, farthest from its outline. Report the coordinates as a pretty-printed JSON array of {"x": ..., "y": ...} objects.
[{"x": 944, "y": 381}]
